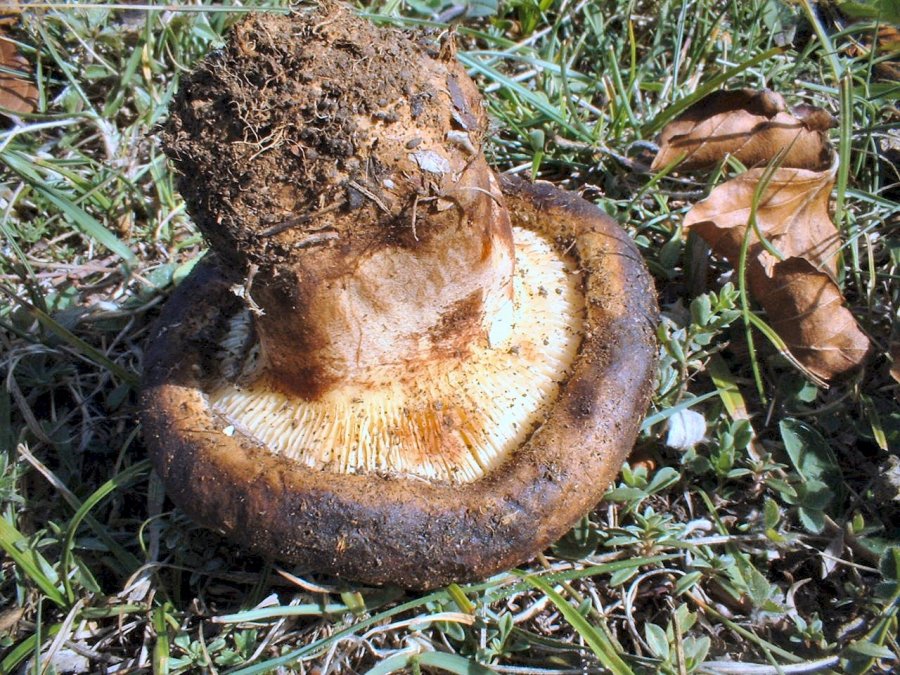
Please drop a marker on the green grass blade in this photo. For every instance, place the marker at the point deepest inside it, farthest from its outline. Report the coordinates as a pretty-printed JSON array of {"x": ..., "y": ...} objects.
[
  {"x": 118, "y": 481},
  {"x": 26, "y": 647},
  {"x": 875, "y": 422},
  {"x": 127, "y": 561},
  {"x": 76, "y": 342},
  {"x": 750, "y": 635},
  {"x": 714, "y": 83},
  {"x": 783, "y": 349},
  {"x": 177, "y": 8},
  {"x": 271, "y": 664},
  {"x": 450, "y": 663},
  {"x": 453, "y": 663},
  {"x": 525, "y": 94},
  {"x": 821, "y": 32},
  {"x": 727, "y": 387},
  {"x": 27, "y": 272},
  {"x": 392, "y": 664},
  {"x": 459, "y": 597},
  {"x": 542, "y": 64},
  {"x": 30, "y": 562},
  {"x": 161, "y": 648},
  {"x": 662, "y": 415},
  {"x": 844, "y": 151},
  {"x": 85, "y": 222},
  {"x": 374, "y": 601},
  {"x": 599, "y": 642},
  {"x": 623, "y": 94},
  {"x": 874, "y": 641}
]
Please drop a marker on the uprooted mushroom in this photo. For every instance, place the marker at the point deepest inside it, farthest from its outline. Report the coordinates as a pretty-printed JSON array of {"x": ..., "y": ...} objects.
[{"x": 393, "y": 365}]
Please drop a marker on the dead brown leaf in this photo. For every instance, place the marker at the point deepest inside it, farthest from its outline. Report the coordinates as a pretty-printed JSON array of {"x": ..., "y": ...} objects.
[
  {"x": 753, "y": 126},
  {"x": 886, "y": 47},
  {"x": 797, "y": 288},
  {"x": 9, "y": 12},
  {"x": 792, "y": 214},
  {"x": 805, "y": 307},
  {"x": 9, "y": 618},
  {"x": 18, "y": 94}
]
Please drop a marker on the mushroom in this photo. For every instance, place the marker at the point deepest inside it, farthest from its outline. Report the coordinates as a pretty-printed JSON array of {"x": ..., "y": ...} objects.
[{"x": 393, "y": 366}]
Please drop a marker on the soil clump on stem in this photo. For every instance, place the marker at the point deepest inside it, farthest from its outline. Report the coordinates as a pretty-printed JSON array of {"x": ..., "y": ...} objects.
[{"x": 305, "y": 126}]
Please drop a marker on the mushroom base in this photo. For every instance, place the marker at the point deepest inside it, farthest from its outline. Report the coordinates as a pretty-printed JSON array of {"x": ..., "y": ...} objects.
[{"x": 404, "y": 531}]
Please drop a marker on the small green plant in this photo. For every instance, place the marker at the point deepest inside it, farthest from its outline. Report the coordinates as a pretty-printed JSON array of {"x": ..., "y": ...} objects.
[
  {"x": 687, "y": 339},
  {"x": 637, "y": 486},
  {"x": 676, "y": 653},
  {"x": 812, "y": 491}
]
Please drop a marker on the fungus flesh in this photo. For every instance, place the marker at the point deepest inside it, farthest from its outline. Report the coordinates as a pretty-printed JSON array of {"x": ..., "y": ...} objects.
[{"x": 393, "y": 365}]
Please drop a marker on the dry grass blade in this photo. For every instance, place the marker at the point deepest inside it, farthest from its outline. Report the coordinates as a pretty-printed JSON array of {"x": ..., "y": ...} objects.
[{"x": 31, "y": 562}]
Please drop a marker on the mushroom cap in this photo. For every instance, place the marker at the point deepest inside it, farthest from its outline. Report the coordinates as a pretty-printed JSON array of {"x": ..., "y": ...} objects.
[{"x": 405, "y": 531}]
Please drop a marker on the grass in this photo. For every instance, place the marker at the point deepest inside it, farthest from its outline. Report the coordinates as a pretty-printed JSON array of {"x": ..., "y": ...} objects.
[{"x": 747, "y": 534}]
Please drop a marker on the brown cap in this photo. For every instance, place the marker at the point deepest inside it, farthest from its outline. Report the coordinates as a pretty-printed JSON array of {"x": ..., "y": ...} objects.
[{"x": 408, "y": 531}]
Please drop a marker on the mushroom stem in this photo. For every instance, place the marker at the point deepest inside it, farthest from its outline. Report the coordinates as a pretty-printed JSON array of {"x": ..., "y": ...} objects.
[
  {"x": 429, "y": 295},
  {"x": 347, "y": 167}
]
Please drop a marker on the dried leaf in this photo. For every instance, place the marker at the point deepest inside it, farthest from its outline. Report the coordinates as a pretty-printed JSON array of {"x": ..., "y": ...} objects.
[
  {"x": 792, "y": 214},
  {"x": 9, "y": 12},
  {"x": 461, "y": 112},
  {"x": 17, "y": 93},
  {"x": 798, "y": 290},
  {"x": 886, "y": 48},
  {"x": 754, "y": 126},
  {"x": 806, "y": 308},
  {"x": 9, "y": 618}
]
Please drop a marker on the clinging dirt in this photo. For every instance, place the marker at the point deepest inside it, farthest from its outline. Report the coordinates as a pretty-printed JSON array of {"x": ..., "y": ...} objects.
[{"x": 305, "y": 125}]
